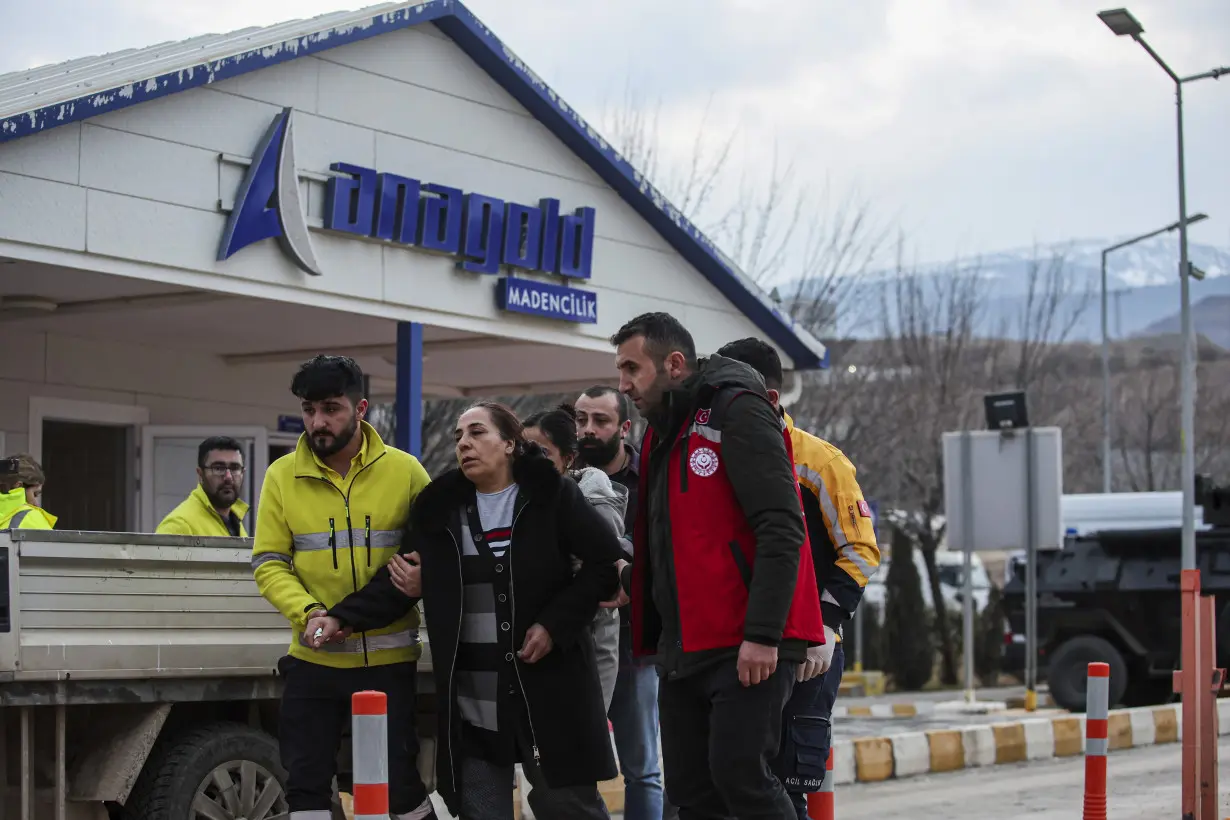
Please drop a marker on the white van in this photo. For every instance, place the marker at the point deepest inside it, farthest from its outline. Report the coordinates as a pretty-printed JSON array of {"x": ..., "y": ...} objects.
[{"x": 950, "y": 564}]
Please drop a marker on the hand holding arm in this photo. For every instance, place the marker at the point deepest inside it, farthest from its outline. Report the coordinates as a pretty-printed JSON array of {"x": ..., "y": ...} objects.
[{"x": 582, "y": 533}]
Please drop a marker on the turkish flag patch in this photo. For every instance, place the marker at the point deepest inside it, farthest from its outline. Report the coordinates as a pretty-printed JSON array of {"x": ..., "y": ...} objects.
[
  {"x": 863, "y": 509},
  {"x": 702, "y": 416}
]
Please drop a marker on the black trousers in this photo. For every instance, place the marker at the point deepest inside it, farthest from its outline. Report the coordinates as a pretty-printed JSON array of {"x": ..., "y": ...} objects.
[
  {"x": 807, "y": 734},
  {"x": 314, "y": 713},
  {"x": 717, "y": 740}
]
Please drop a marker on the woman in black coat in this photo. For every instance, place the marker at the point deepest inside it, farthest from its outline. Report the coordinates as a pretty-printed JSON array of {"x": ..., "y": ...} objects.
[{"x": 489, "y": 548}]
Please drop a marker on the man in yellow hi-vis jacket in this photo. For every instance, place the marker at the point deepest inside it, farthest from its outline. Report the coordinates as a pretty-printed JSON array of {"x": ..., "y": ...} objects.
[
  {"x": 844, "y": 550},
  {"x": 331, "y": 515},
  {"x": 214, "y": 507}
]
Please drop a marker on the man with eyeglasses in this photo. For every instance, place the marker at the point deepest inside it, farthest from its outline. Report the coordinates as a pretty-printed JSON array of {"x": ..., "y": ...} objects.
[{"x": 213, "y": 507}]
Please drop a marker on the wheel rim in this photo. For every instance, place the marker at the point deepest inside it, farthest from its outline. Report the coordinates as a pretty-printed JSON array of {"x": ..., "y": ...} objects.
[{"x": 239, "y": 790}]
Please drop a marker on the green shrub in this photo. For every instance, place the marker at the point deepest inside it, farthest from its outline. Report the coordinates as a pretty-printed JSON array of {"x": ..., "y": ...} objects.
[
  {"x": 989, "y": 639},
  {"x": 909, "y": 654}
]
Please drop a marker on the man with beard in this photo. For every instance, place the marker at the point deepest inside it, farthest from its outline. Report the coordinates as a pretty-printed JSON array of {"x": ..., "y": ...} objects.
[
  {"x": 213, "y": 508},
  {"x": 723, "y": 588},
  {"x": 331, "y": 515},
  {"x": 603, "y": 424}
]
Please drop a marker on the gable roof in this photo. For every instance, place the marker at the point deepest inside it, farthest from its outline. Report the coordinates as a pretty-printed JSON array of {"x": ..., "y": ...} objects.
[{"x": 43, "y": 98}]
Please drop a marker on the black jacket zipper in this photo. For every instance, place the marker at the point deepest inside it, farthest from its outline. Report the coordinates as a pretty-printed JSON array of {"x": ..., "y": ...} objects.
[{"x": 333, "y": 541}]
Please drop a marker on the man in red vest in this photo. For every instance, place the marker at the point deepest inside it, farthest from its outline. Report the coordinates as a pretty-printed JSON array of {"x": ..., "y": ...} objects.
[{"x": 723, "y": 590}]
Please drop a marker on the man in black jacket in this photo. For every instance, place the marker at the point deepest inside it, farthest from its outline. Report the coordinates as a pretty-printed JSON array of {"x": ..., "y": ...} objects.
[{"x": 719, "y": 590}]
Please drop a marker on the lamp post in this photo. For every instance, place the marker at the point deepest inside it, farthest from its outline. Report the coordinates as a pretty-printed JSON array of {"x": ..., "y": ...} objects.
[
  {"x": 1123, "y": 24},
  {"x": 1106, "y": 427},
  {"x": 1199, "y": 800}
]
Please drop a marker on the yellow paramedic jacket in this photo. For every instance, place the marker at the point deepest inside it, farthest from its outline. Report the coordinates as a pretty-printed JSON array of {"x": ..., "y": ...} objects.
[
  {"x": 320, "y": 537},
  {"x": 195, "y": 515},
  {"x": 17, "y": 513},
  {"x": 839, "y": 525}
]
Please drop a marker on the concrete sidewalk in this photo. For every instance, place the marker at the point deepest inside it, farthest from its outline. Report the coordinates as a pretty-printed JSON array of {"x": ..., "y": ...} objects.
[
  {"x": 873, "y": 759},
  {"x": 920, "y": 708}
]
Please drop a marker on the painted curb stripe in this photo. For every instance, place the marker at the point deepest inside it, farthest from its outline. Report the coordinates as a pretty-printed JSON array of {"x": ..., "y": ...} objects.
[{"x": 904, "y": 755}]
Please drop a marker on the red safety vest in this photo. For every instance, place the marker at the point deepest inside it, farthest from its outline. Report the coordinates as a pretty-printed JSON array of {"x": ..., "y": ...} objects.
[{"x": 713, "y": 545}]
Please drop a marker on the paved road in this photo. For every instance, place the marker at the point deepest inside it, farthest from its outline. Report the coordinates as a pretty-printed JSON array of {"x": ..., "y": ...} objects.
[
  {"x": 992, "y": 693},
  {"x": 1143, "y": 785},
  {"x": 852, "y": 727}
]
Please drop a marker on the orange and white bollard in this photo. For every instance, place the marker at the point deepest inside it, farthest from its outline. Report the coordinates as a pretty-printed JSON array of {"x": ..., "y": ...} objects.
[
  {"x": 820, "y": 805},
  {"x": 1097, "y": 721},
  {"x": 370, "y": 743}
]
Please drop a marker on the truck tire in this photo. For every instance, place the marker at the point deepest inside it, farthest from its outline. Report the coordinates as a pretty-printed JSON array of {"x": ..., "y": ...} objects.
[
  {"x": 185, "y": 768},
  {"x": 1068, "y": 671}
]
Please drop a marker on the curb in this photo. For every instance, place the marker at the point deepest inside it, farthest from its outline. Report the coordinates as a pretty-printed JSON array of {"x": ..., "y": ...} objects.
[
  {"x": 874, "y": 759},
  {"x": 922, "y": 708},
  {"x": 885, "y": 710}
]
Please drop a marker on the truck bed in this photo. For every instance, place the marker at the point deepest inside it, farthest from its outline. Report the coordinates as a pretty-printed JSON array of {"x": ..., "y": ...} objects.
[{"x": 89, "y": 606}]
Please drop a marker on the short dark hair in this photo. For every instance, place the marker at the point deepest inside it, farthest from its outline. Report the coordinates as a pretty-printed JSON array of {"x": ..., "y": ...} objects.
[
  {"x": 621, "y": 400},
  {"x": 328, "y": 377},
  {"x": 559, "y": 425},
  {"x": 760, "y": 355},
  {"x": 663, "y": 334},
  {"x": 216, "y": 443}
]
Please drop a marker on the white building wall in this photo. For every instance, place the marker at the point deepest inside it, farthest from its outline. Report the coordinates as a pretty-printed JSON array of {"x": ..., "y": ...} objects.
[
  {"x": 177, "y": 388},
  {"x": 144, "y": 185}
]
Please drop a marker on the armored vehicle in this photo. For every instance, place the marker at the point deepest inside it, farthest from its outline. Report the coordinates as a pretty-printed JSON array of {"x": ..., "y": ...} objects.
[{"x": 1113, "y": 596}]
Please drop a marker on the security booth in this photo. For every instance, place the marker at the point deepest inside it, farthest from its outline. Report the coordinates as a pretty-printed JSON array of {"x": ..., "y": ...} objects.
[{"x": 181, "y": 226}]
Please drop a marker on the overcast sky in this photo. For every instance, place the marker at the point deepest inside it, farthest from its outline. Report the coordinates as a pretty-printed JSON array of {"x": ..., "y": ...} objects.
[{"x": 975, "y": 125}]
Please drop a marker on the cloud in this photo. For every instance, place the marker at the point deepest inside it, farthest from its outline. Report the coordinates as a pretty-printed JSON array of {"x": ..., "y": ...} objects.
[{"x": 982, "y": 123}]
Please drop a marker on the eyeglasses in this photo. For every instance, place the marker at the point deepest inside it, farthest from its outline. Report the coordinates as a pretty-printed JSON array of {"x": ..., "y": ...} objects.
[{"x": 220, "y": 470}]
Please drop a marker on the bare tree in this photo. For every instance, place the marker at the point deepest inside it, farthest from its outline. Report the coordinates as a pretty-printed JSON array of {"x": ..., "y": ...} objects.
[
  {"x": 940, "y": 352},
  {"x": 780, "y": 231},
  {"x": 1212, "y": 443},
  {"x": 1147, "y": 421},
  {"x": 1147, "y": 415},
  {"x": 1052, "y": 308}
]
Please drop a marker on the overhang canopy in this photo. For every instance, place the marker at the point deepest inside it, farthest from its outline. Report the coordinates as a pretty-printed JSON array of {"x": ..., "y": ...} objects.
[{"x": 41, "y": 99}]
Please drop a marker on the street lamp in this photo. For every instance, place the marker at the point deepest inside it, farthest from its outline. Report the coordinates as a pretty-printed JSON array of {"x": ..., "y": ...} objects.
[
  {"x": 1106, "y": 449},
  {"x": 1122, "y": 23},
  {"x": 1199, "y": 763}
]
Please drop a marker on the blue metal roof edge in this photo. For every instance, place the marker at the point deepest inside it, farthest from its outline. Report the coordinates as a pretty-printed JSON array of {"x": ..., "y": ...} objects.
[{"x": 482, "y": 46}]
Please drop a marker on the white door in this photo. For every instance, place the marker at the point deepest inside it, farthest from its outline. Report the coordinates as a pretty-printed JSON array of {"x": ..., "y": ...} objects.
[{"x": 168, "y": 467}]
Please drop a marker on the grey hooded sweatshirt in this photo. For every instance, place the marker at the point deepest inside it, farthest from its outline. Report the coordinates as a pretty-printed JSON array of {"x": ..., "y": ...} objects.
[{"x": 610, "y": 500}]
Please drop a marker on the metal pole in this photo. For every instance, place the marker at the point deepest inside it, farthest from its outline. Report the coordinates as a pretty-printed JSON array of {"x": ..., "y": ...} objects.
[
  {"x": 1188, "y": 382},
  {"x": 1106, "y": 474},
  {"x": 967, "y": 546},
  {"x": 1031, "y": 579}
]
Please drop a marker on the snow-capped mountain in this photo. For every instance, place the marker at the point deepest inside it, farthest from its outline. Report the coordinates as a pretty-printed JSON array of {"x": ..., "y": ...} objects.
[{"x": 1142, "y": 283}]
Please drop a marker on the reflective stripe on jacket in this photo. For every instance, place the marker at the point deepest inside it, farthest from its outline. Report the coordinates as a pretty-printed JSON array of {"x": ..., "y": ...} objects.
[
  {"x": 839, "y": 524},
  {"x": 320, "y": 537},
  {"x": 196, "y": 515},
  {"x": 17, "y": 513}
]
